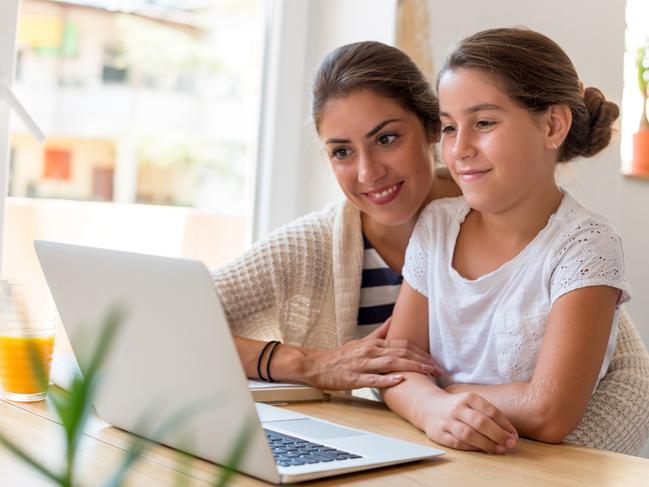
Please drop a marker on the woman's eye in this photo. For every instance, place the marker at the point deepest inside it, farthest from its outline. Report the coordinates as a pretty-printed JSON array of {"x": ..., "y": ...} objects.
[
  {"x": 386, "y": 139},
  {"x": 339, "y": 153}
]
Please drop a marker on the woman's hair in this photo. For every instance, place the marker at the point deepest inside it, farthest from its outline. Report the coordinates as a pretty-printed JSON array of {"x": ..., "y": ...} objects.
[
  {"x": 383, "y": 69},
  {"x": 535, "y": 72}
]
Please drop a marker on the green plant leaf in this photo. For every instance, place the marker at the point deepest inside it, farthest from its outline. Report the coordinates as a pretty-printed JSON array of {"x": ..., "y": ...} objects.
[
  {"x": 28, "y": 459},
  {"x": 74, "y": 407},
  {"x": 39, "y": 368},
  {"x": 109, "y": 330},
  {"x": 183, "y": 469},
  {"x": 171, "y": 424},
  {"x": 135, "y": 450},
  {"x": 642, "y": 63},
  {"x": 237, "y": 453}
]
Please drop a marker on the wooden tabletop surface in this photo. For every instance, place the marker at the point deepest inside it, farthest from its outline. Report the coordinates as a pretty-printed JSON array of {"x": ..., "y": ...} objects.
[{"x": 530, "y": 464}]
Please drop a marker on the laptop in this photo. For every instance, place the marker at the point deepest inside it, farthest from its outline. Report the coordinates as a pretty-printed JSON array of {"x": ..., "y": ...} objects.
[{"x": 174, "y": 351}]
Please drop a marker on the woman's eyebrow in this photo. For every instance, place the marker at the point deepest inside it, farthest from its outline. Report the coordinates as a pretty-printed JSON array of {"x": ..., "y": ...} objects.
[
  {"x": 367, "y": 135},
  {"x": 475, "y": 108},
  {"x": 380, "y": 126},
  {"x": 337, "y": 141}
]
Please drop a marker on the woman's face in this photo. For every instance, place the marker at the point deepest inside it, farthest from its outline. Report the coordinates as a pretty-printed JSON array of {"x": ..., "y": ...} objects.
[
  {"x": 496, "y": 151},
  {"x": 380, "y": 155}
]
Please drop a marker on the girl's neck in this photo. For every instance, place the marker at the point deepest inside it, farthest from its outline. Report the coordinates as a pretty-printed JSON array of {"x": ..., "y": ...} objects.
[
  {"x": 487, "y": 240},
  {"x": 525, "y": 219}
]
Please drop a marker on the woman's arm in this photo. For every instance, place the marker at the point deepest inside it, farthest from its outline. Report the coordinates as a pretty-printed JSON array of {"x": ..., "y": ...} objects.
[
  {"x": 464, "y": 421},
  {"x": 291, "y": 270},
  {"x": 550, "y": 405},
  {"x": 369, "y": 362}
]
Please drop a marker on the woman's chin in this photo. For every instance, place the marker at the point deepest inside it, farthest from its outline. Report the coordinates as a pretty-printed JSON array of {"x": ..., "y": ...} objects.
[{"x": 391, "y": 217}]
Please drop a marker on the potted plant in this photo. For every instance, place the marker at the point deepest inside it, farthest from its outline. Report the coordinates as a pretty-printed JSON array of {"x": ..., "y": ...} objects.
[
  {"x": 72, "y": 410},
  {"x": 641, "y": 137}
]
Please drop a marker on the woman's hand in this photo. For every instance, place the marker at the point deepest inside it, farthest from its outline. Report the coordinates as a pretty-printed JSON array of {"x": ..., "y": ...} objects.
[
  {"x": 467, "y": 421},
  {"x": 372, "y": 361}
]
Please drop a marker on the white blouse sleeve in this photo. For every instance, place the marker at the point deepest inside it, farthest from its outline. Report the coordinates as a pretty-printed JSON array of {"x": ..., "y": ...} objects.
[
  {"x": 415, "y": 267},
  {"x": 590, "y": 254}
]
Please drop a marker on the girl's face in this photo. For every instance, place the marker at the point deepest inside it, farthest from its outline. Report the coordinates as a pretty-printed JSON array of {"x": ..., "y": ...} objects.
[
  {"x": 380, "y": 155},
  {"x": 497, "y": 152}
]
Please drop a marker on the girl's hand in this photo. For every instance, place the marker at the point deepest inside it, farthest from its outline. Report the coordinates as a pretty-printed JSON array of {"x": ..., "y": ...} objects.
[
  {"x": 467, "y": 421},
  {"x": 372, "y": 361}
]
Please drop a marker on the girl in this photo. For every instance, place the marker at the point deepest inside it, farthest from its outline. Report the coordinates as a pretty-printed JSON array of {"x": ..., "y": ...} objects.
[{"x": 515, "y": 288}]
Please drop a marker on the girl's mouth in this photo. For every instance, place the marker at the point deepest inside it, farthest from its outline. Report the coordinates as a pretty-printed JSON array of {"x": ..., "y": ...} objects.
[{"x": 472, "y": 175}]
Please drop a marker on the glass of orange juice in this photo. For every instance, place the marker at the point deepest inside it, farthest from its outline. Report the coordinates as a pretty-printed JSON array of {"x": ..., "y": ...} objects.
[{"x": 27, "y": 326}]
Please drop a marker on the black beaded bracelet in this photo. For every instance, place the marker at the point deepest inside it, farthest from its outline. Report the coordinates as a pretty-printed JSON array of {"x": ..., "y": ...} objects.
[
  {"x": 270, "y": 356},
  {"x": 259, "y": 359}
]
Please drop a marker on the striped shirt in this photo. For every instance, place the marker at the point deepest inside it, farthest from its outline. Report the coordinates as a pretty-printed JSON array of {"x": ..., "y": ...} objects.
[{"x": 379, "y": 290}]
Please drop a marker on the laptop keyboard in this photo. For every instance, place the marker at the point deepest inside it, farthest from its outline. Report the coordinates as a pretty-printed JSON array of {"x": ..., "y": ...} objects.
[{"x": 290, "y": 451}]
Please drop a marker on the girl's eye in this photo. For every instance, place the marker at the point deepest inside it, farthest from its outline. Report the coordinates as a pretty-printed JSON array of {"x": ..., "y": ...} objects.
[
  {"x": 339, "y": 153},
  {"x": 485, "y": 124},
  {"x": 386, "y": 139}
]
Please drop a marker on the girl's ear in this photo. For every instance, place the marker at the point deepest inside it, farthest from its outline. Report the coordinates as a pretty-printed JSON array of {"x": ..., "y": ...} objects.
[{"x": 558, "y": 123}]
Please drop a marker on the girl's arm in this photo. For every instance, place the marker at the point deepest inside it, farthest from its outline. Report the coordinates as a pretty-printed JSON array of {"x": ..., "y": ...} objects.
[
  {"x": 463, "y": 421},
  {"x": 550, "y": 405}
]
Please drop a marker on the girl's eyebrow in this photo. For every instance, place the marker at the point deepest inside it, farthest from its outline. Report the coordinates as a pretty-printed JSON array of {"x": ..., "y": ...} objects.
[
  {"x": 476, "y": 108},
  {"x": 367, "y": 135}
]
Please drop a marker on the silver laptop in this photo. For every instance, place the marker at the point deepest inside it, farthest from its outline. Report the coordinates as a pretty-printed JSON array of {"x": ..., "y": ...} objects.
[{"x": 174, "y": 352}]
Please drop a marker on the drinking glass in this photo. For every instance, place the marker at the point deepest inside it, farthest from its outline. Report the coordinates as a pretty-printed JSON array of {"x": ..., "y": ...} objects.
[{"x": 27, "y": 327}]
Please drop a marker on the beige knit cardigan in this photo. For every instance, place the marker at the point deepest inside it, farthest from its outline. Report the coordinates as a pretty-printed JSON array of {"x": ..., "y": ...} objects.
[{"x": 302, "y": 283}]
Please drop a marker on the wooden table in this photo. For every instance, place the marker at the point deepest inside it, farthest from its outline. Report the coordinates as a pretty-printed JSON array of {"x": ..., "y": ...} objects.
[{"x": 530, "y": 464}]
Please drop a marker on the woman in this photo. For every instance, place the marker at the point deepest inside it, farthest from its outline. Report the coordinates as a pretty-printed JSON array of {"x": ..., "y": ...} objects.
[{"x": 305, "y": 283}]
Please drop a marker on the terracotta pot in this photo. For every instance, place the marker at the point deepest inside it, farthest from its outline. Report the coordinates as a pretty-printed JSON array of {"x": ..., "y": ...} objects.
[{"x": 641, "y": 153}]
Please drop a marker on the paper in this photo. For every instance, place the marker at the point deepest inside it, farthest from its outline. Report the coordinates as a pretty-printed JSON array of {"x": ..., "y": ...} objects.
[{"x": 257, "y": 384}]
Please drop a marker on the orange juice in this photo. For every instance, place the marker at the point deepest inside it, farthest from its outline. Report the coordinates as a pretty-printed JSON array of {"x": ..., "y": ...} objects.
[{"x": 17, "y": 372}]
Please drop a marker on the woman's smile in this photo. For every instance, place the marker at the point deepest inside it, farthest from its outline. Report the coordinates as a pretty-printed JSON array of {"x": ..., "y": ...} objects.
[{"x": 384, "y": 195}]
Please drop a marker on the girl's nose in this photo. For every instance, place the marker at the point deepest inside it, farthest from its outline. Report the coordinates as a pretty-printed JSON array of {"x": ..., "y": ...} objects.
[{"x": 462, "y": 146}]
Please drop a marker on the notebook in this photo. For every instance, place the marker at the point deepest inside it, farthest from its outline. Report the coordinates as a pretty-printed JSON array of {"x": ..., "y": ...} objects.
[
  {"x": 276, "y": 392},
  {"x": 175, "y": 351}
]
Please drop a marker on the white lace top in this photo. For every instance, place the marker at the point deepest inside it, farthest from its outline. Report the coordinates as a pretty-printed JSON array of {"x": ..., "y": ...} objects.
[{"x": 489, "y": 330}]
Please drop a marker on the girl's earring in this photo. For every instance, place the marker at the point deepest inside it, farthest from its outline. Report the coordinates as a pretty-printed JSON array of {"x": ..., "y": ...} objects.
[{"x": 554, "y": 145}]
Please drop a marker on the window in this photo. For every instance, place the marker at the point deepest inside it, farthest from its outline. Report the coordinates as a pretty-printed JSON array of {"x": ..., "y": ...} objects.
[
  {"x": 113, "y": 70},
  {"x": 57, "y": 164},
  {"x": 149, "y": 115},
  {"x": 637, "y": 36}
]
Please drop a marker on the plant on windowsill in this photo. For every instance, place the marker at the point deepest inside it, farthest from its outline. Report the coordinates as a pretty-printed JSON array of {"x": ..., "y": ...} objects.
[{"x": 641, "y": 137}]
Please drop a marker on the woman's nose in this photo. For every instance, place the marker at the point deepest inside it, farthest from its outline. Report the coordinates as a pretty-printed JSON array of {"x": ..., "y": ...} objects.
[{"x": 370, "y": 170}]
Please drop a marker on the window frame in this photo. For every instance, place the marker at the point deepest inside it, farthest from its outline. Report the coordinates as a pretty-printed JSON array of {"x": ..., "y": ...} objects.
[{"x": 8, "y": 30}]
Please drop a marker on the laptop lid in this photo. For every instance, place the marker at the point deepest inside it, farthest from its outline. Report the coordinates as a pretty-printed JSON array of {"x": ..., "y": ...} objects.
[{"x": 173, "y": 353}]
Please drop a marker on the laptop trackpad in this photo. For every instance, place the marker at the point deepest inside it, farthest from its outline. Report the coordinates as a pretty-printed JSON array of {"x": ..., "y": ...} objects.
[{"x": 312, "y": 428}]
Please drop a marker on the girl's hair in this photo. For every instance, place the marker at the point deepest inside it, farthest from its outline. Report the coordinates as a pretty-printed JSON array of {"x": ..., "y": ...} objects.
[
  {"x": 378, "y": 67},
  {"x": 536, "y": 73}
]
